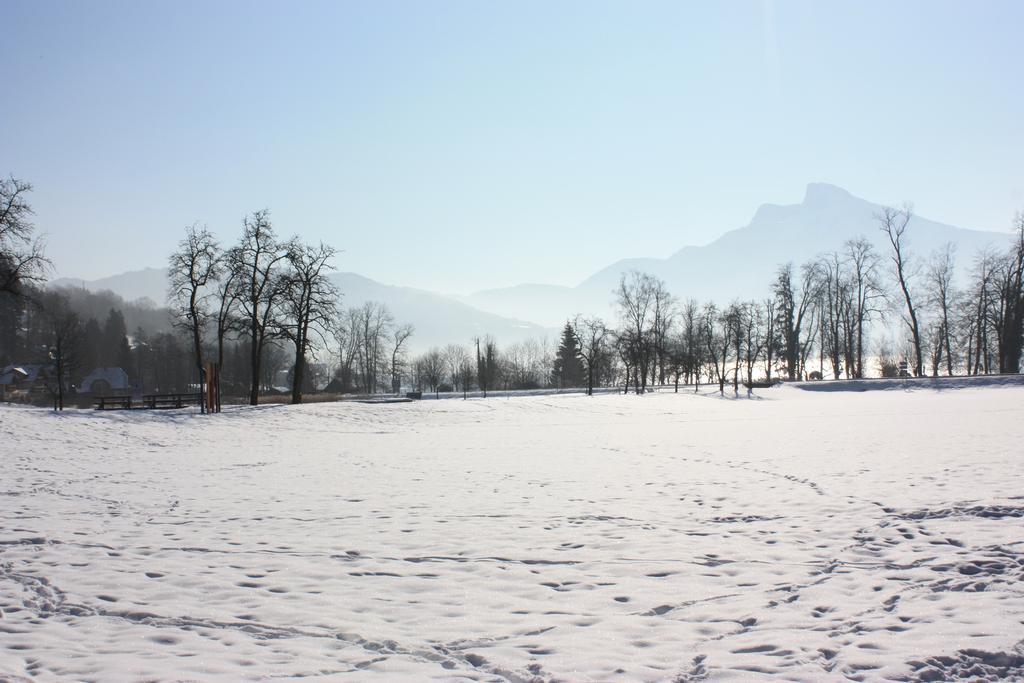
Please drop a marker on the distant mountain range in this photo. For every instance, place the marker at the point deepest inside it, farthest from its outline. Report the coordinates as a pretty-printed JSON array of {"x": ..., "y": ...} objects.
[
  {"x": 740, "y": 263},
  {"x": 438, "y": 319}
]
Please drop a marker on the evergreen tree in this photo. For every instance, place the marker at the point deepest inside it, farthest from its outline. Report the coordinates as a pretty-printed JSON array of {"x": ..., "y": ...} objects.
[
  {"x": 125, "y": 359},
  {"x": 487, "y": 364},
  {"x": 92, "y": 343},
  {"x": 568, "y": 370},
  {"x": 114, "y": 333},
  {"x": 12, "y": 309}
]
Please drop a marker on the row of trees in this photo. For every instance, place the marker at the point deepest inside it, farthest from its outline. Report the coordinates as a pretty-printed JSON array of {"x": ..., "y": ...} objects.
[
  {"x": 531, "y": 364},
  {"x": 241, "y": 291},
  {"x": 823, "y": 311},
  {"x": 265, "y": 304},
  {"x": 372, "y": 350},
  {"x": 247, "y": 302},
  {"x": 265, "y": 291},
  {"x": 79, "y": 331}
]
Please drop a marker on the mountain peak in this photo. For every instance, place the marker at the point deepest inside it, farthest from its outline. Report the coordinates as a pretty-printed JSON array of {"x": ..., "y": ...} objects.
[{"x": 823, "y": 193}]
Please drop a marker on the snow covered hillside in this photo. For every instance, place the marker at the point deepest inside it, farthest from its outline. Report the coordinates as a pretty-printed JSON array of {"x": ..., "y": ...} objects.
[{"x": 669, "y": 537}]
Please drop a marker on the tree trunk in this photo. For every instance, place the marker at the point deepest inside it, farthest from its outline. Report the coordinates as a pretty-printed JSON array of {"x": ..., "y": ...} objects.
[
  {"x": 60, "y": 378},
  {"x": 792, "y": 353},
  {"x": 197, "y": 345},
  {"x": 299, "y": 373},
  {"x": 945, "y": 339},
  {"x": 255, "y": 359},
  {"x": 220, "y": 348}
]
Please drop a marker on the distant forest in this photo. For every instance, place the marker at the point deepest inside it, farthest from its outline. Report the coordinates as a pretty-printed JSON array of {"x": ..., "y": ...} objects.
[{"x": 265, "y": 312}]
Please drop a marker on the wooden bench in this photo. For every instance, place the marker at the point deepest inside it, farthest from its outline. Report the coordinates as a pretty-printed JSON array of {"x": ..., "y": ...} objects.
[
  {"x": 758, "y": 385},
  {"x": 167, "y": 401},
  {"x": 113, "y": 402}
]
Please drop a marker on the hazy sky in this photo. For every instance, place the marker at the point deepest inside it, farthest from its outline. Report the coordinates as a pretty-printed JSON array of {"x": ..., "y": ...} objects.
[{"x": 464, "y": 145}]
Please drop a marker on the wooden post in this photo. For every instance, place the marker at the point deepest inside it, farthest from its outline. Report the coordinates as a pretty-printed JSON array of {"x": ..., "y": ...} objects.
[{"x": 211, "y": 394}]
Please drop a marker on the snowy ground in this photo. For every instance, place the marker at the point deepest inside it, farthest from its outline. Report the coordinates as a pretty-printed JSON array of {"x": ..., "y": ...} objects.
[{"x": 670, "y": 537}]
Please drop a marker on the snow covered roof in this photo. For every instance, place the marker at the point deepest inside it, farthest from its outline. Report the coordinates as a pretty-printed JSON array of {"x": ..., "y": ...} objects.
[
  {"x": 116, "y": 378},
  {"x": 19, "y": 373}
]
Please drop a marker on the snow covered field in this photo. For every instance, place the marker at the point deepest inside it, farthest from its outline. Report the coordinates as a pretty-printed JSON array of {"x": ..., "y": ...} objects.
[{"x": 810, "y": 535}]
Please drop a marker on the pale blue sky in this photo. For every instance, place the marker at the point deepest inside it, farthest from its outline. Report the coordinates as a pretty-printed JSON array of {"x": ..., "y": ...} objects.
[{"x": 464, "y": 145}]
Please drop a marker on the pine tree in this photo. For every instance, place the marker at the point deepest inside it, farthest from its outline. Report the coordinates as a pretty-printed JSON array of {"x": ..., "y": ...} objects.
[
  {"x": 92, "y": 343},
  {"x": 568, "y": 370},
  {"x": 114, "y": 333},
  {"x": 487, "y": 364}
]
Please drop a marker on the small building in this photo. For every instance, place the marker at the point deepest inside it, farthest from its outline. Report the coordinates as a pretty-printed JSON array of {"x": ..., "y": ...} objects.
[
  {"x": 103, "y": 381},
  {"x": 21, "y": 377},
  {"x": 13, "y": 376}
]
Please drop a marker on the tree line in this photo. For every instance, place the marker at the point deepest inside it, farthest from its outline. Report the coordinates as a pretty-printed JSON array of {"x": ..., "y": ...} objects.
[
  {"x": 262, "y": 291},
  {"x": 265, "y": 305},
  {"x": 832, "y": 316},
  {"x": 246, "y": 307}
]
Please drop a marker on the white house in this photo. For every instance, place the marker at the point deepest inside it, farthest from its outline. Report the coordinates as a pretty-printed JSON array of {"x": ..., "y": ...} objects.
[
  {"x": 104, "y": 381},
  {"x": 20, "y": 376}
]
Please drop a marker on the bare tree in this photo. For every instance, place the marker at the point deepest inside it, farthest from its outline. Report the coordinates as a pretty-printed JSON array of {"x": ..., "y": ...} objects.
[
  {"x": 191, "y": 269},
  {"x": 526, "y": 365},
  {"x": 978, "y": 316},
  {"x": 627, "y": 347},
  {"x": 866, "y": 294},
  {"x": 21, "y": 255},
  {"x": 833, "y": 304},
  {"x": 592, "y": 339},
  {"x": 466, "y": 372},
  {"x": 733, "y": 328},
  {"x": 457, "y": 358},
  {"x": 346, "y": 335},
  {"x": 638, "y": 297},
  {"x": 771, "y": 335},
  {"x": 718, "y": 336},
  {"x": 691, "y": 342},
  {"x": 664, "y": 313},
  {"x": 373, "y": 323},
  {"x": 1010, "y": 293},
  {"x": 433, "y": 366},
  {"x": 753, "y": 336},
  {"x": 793, "y": 304},
  {"x": 942, "y": 295},
  {"x": 893, "y": 222},
  {"x": 258, "y": 260},
  {"x": 811, "y": 329},
  {"x": 310, "y": 303},
  {"x": 226, "y": 318},
  {"x": 399, "y": 336},
  {"x": 64, "y": 329}
]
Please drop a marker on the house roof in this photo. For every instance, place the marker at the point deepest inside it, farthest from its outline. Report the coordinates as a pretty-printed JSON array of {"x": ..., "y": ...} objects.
[
  {"x": 19, "y": 373},
  {"x": 116, "y": 378}
]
